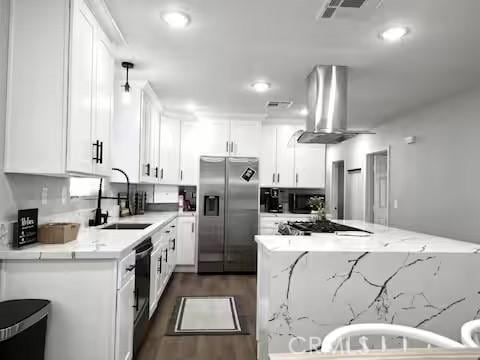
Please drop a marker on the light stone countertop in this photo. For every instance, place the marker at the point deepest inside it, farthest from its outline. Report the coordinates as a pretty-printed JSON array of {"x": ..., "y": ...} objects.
[
  {"x": 383, "y": 239},
  {"x": 95, "y": 243}
]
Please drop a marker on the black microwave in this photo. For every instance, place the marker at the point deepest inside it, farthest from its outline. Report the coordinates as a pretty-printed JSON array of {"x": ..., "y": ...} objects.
[{"x": 298, "y": 203}]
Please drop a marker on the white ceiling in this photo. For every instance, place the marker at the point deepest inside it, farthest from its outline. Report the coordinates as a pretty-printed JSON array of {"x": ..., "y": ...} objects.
[{"x": 231, "y": 43}]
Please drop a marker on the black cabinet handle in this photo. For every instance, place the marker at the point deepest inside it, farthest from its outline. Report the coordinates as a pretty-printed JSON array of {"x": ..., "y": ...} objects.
[
  {"x": 273, "y": 178},
  {"x": 156, "y": 172},
  {"x": 96, "y": 145},
  {"x": 278, "y": 178},
  {"x": 159, "y": 267},
  {"x": 148, "y": 170},
  {"x": 173, "y": 242},
  {"x": 130, "y": 268},
  {"x": 166, "y": 255},
  {"x": 101, "y": 152},
  {"x": 181, "y": 174},
  {"x": 135, "y": 292},
  {"x": 161, "y": 173}
]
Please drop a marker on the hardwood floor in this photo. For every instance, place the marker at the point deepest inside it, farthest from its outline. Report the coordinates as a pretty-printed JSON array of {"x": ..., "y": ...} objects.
[{"x": 157, "y": 346}]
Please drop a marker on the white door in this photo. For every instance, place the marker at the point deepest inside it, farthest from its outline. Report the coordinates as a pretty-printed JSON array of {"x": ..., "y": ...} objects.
[
  {"x": 310, "y": 165},
  {"x": 354, "y": 196},
  {"x": 186, "y": 244},
  {"x": 245, "y": 138},
  {"x": 380, "y": 189},
  {"x": 80, "y": 148},
  {"x": 169, "y": 150},
  {"x": 189, "y": 159},
  {"x": 268, "y": 155},
  {"x": 124, "y": 321},
  {"x": 102, "y": 123},
  {"x": 215, "y": 137},
  {"x": 285, "y": 176},
  {"x": 155, "y": 144}
]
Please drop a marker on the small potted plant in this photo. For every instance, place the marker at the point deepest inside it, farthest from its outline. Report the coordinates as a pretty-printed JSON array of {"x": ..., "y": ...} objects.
[{"x": 318, "y": 208}]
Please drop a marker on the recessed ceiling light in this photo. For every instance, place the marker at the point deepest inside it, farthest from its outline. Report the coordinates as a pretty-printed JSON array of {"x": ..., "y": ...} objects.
[
  {"x": 304, "y": 112},
  {"x": 191, "y": 107},
  {"x": 261, "y": 86},
  {"x": 176, "y": 19},
  {"x": 394, "y": 33}
]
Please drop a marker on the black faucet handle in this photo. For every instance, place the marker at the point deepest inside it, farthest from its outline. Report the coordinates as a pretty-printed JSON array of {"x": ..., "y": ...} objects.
[{"x": 104, "y": 217}]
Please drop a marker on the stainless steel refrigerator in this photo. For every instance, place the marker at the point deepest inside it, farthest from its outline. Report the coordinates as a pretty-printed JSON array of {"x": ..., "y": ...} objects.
[{"x": 228, "y": 214}]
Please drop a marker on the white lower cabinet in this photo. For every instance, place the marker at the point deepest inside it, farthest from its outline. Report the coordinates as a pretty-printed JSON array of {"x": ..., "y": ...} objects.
[
  {"x": 162, "y": 263},
  {"x": 124, "y": 320},
  {"x": 186, "y": 240}
]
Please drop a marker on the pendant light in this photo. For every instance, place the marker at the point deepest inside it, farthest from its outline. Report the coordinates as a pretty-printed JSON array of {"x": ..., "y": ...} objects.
[{"x": 126, "y": 97}]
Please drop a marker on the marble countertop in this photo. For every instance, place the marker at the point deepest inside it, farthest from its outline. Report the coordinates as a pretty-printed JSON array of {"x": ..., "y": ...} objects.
[
  {"x": 383, "y": 239},
  {"x": 95, "y": 243}
]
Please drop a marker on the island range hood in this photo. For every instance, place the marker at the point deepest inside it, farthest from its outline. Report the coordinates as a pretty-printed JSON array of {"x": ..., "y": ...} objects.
[{"x": 327, "y": 106}]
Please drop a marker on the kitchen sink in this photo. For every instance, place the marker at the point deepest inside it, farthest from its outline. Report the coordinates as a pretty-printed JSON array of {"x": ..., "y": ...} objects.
[{"x": 126, "y": 226}]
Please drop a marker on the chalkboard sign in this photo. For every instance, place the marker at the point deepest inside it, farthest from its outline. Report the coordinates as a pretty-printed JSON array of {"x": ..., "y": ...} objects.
[
  {"x": 248, "y": 174},
  {"x": 26, "y": 229}
]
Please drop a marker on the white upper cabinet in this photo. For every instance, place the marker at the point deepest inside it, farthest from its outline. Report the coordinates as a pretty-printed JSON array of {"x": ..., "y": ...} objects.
[
  {"x": 103, "y": 115},
  {"x": 245, "y": 138},
  {"x": 285, "y": 155},
  {"x": 66, "y": 121},
  {"x": 310, "y": 165},
  {"x": 214, "y": 137},
  {"x": 169, "y": 150},
  {"x": 268, "y": 155},
  {"x": 79, "y": 144},
  {"x": 277, "y": 155},
  {"x": 189, "y": 158},
  {"x": 136, "y": 134},
  {"x": 285, "y": 163},
  {"x": 220, "y": 137},
  {"x": 155, "y": 144}
]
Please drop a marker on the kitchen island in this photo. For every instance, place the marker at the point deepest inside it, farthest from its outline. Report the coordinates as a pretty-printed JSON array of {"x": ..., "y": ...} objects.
[{"x": 310, "y": 285}]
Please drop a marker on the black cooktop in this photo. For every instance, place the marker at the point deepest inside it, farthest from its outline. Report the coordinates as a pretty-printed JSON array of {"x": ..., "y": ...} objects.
[{"x": 322, "y": 226}]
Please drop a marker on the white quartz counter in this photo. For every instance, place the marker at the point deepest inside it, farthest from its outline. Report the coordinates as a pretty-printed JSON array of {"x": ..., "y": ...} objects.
[
  {"x": 383, "y": 239},
  {"x": 95, "y": 243}
]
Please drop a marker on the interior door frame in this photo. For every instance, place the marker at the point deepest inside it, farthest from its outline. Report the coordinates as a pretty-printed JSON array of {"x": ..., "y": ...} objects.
[
  {"x": 368, "y": 181},
  {"x": 334, "y": 185}
]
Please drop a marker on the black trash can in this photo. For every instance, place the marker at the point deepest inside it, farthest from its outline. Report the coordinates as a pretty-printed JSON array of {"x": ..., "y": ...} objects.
[{"x": 23, "y": 327}]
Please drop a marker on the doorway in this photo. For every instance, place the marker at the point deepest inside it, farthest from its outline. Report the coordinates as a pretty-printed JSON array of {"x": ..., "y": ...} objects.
[
  {"x": 338, "y": 190},
  {"x": 377, "y": 188}
]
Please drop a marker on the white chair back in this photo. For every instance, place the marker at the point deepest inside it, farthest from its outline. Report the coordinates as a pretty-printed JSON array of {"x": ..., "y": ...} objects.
[
  {"x": 341, "y": 339},
  {"x": 470, "y": 331}
]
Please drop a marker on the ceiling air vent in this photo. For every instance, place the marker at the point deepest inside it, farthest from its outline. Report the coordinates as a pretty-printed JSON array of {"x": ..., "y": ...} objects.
[
  {"x": 331, "y": 6},
  {"x": 279, "y": 105},
  {"x": 353, "y": 3}
]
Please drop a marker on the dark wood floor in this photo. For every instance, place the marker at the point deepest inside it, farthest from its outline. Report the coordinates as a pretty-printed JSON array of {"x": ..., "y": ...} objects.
[{"x": 157, "y": 346}]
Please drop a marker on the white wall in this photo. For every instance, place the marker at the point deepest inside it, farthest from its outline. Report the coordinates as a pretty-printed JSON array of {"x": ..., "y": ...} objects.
[{"x": 437, "y": 180}]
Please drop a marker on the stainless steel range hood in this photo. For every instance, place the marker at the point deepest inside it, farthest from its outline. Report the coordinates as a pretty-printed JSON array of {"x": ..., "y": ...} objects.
[{"x": 327, "y": 106}]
